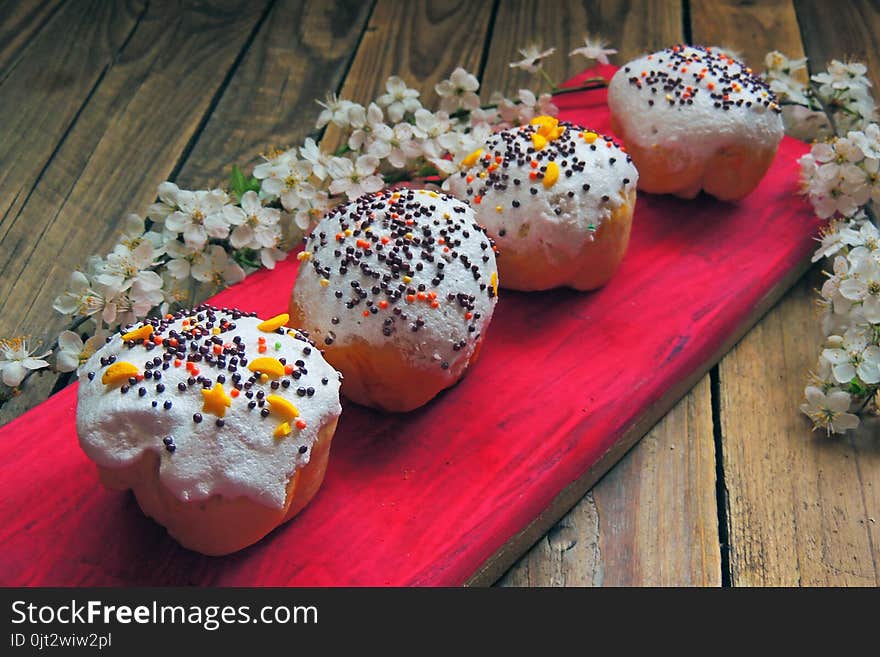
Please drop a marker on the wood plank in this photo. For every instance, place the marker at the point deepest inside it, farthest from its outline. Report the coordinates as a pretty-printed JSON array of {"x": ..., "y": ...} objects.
[
  {"x": 301, "y": 53},
  {"x": 841, "y": 30},
  {"x": 651, "y": 521},
  {"x": 800, "y": 508},
  {"x": 22, "y": 21},
  {"x": 632, "y": 28},
  {"x": 126, "y": 139},
  {"x": 39, "y": 102},
  {"x": 421, "y": 42},
  {"x": 580, "y": 550}
]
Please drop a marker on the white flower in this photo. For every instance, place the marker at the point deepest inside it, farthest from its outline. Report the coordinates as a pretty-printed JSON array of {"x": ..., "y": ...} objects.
[
  {"x": 335, "y": 111},
  {"x": 829, "y": 411},
  {"x": 399, "y": 100},
  {"x": 458, "y": 91},
  {"x": 167, "y": 204},
  {"x": 215, "y": 266},
  {"x": 855, "y": 358},
  {"x": 316, "y": 157},
  {"x": 86, "y": 298},
  {"x": 126, "y": 267},
  {"x": 355, "y": 178},
  {"x": 182, "y": 256},
  {"x": 287, "y": 178},
  {"x": 831, "y": 242},
  {"x": 532, "y": 56},
  {"x": 397, "y": 145},
  {"x": 364, "y": 122},
  {"x": 594, "y": 49},
  {"x": 270, "y": 256},
  {"x": 863, "y": 285},
  {"x": 16, "y": 360},
  {"x": 73, "y": 352},
  {"x": 256, "y": 227},
  {"x": 199, "y": 216}
]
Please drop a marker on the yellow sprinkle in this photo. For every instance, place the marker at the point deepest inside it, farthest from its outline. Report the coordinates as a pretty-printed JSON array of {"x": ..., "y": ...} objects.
[
  {"x": 273, "y": 323},
  {"x": 141, "y": 333},
  {"x": 669, "y": 97},
  {"x": 471, "y": 159},
  {"x": 216, "y": 400},
  {"x": 267, "y": 365},
  {"x": 545, "y": 121},
  {"x": 590, "y": 137},
  {"x": 432, "y": 194},
  {"x": 498, "y": 208},
  {"x": 551, "y": 175},
  {"x": 264, "y": 377},
  {"x": 118, "y": 372},
  {"x": 282, "y": 407},
  {"x": 282, "y": 430},
  {"x": 408, "y": 236},
  {"x": 483, "y": 174},
  {"x": 347, "y": 232},
  {"x": 324, "y": 282},
  {"x": 407, "y": 279},
  {"x": 215, "y": 330},
  {"x": 539, "y": 140},
  {"x": 305, "y": 255},
  {"x": 446, "y": 215},
  {"x": 493, "y": 281}
]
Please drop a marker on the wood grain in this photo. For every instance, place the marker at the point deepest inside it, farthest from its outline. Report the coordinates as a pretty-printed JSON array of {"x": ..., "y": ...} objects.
[
  {"x": 421, "y": 42},
  {"x": 632, "y": 27},
  {"x": 623, "y": 547},
  {"x": 651, "y": 521},
  {"x": 300, "y": 54},
  {"x": 22, "y": 21},
  {"x": 799, "y": 506},
  {"x": 841, "y": 30}
]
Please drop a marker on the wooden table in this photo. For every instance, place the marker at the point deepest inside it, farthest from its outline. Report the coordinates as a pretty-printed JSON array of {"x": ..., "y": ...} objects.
[{"x": 101, "y": 101}]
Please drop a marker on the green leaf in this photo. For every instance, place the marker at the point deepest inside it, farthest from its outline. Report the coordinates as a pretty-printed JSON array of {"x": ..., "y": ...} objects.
[
  {"x": 238, "y": 184},
  {"x": 247, "y": 258},
  {"x": 253, "y": 185},
  {"x": 856, "y": 387}
]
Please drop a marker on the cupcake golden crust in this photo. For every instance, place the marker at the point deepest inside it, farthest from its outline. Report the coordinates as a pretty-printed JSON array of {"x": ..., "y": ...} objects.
[
  {"x": 694, "y": 118},
  {"x": 398, "y": 289},
  {"x": 558, "y": 200},
  {"x": 219, "y": 422}
]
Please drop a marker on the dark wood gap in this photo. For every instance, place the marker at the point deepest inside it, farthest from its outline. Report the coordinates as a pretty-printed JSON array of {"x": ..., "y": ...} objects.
[
  {"x": 720, "y": 485},
  {"x": 487, "y": 45},
  {"x": 686, "y": 28}
]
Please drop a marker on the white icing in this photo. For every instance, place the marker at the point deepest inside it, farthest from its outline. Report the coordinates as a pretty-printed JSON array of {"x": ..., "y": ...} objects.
[
  {"x": 445, "y": 327},
  {"x": 697, "y": 127},
  {"x": 528, "y": 223},
  {"x": 242, "y": 458}
]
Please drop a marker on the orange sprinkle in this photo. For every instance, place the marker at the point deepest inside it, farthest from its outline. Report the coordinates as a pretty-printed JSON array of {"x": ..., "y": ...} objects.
[
  {"x": 432, "y": 295},
  {"x": 172, "y": 342},
  {"x": 262, "y": 349},
  {"x": 645, "y": 73},
  {"x": 366, "y": 313},
  {"x": 169, "y": 316},
  {"x": 261, "y": 339},
  {"x": 218, "y": 349},
  {"x": 190, "y": 365},
  {"x": 383, "y": 304},
  {"x": 384, "y": 240},
  {"x": 288, "y": 369},
  {"x": 478, "y": 199},
  {"x": 177, "y": 362},
  {"x": 363, "y": 244},
  {"x": 410, "y": 298},
  {"x": 470, "y": 179},
  {"x": 441, "y": 241},
  {"x": 498, "y": 159},
  {"x": 711, "y": 86},
  {"x": 487, "y": 157},
  {"x": 420, "y": 296},
  {"x": 435, "y": 304},
  {"x": 468, "y": 315},
  {"x": 533, "y": 175},
  {"x": 234, "y": 392},
  {"x": 194, "y": 371},
  {"x": 301, "y": 424},
  {"x": 533, "y": 164}
]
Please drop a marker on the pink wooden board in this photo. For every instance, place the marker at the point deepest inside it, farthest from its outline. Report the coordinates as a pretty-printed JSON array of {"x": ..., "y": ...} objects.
[{"x": 426, "y": 498}]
